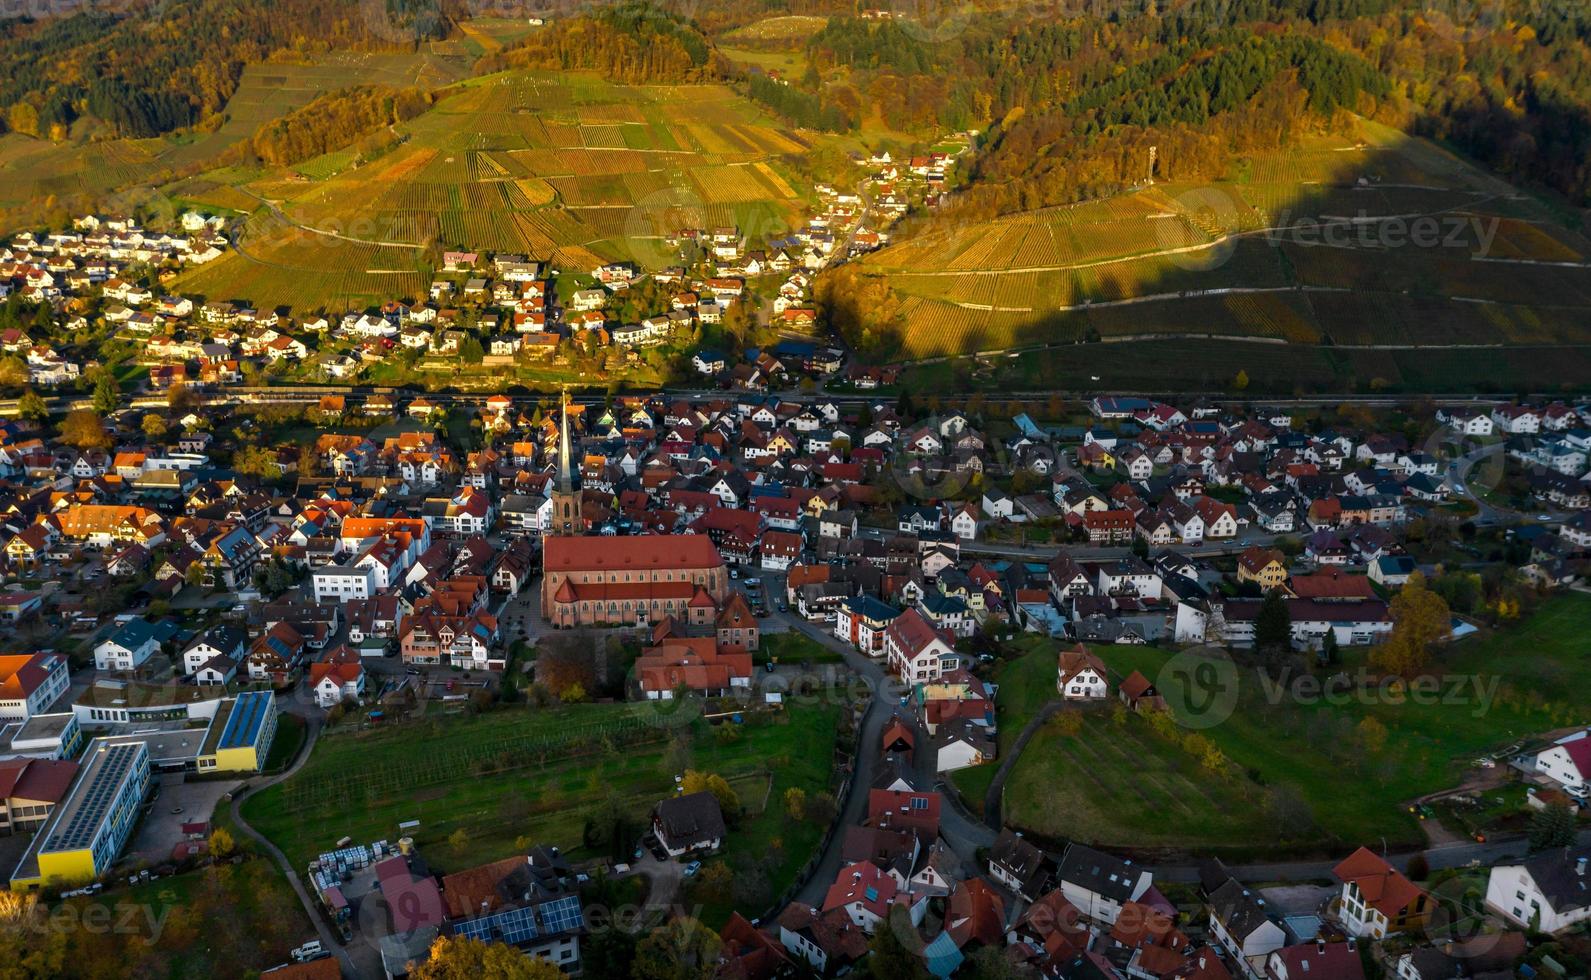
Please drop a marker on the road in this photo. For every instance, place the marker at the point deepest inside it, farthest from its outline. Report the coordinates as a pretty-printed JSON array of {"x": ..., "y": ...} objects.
[
  {"x": 368, "y": 963},
  {"x": 853, "y": 808}
]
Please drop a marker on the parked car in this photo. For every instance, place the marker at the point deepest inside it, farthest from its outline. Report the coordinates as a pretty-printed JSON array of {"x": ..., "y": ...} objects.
[{"x": 692, "y": 868}]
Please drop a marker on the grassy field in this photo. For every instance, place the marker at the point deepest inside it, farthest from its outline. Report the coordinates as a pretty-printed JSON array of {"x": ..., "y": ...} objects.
[
  {"x": 567, "y": 168},
  {"x": 1300, "y": 775},
  {"x": 525, "y": 772},
  {"x": 1250, "y": 256}
]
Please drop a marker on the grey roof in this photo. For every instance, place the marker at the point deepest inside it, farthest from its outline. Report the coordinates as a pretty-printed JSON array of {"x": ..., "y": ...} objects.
[
  {"x": 1098, "y": 872},
  {"x": 1563, "y": 880},
  {"x": 1238, "y": 910},
  {"x": 691, "y": 818}
]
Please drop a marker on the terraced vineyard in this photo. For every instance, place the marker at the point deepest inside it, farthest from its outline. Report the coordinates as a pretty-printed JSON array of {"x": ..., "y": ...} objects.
[
  {"x": 568, "y": 168},
  {"x": 1389, "y": 242},
  {"x": 69, "y": 171}
]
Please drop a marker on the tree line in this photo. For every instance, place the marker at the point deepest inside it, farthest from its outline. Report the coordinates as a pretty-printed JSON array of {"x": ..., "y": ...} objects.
[
  {"x": 334, "y": 120},
  {"x": 172, "y": 66}
]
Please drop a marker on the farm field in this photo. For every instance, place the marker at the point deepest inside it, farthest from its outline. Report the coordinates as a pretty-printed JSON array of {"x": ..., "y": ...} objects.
[
  {"x": 568, "y": 168},
  {"x": 549, "y": 769},
  {"x": 1072, "y": 785},
  {"x": 1314, "y": 246},
  {"x": 75, "y": 172}
]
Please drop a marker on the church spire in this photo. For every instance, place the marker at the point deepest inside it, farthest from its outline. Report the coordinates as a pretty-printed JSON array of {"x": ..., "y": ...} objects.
[{"x": 565, "y": 468}]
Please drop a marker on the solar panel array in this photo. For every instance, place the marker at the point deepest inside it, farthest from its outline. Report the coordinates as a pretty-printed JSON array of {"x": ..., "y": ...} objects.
[
  {"x": 514, "y": 926},
  {"x": 562, "y": 915},
  {"x": 91, "y": 809},
  {"x": 243, "y": 725}
]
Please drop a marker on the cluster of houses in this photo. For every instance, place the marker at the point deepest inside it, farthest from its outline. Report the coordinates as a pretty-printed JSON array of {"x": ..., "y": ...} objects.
[{"x": 98, "y": 256}]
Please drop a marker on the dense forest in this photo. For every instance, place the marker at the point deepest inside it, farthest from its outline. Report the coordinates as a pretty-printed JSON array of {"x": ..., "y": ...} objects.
[
  {"x": 1075, "y": 95},
  {"x": 161, "y": 67},
  {"x": 332, "y": 121},
  {"x": 632, "y": 42}
]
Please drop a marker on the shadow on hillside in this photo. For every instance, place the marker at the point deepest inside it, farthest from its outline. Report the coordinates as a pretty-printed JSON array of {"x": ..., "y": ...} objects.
[{"x": 1394, "y": 266}]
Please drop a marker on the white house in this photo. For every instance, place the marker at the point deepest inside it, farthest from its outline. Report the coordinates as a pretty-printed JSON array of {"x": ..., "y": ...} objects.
[
  {"x": 128, "y": 648},
  {"x": 1549, "y": 892},
  {"x": 1567, "y": 762},
  {"x": 1081, "y": 676},
  {"x": 1241, "y": 924},
  {"x": 1100, "y": 884}
]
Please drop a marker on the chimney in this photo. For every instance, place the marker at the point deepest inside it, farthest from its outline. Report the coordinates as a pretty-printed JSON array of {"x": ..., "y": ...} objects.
[
  {"x": 1579, "y": 867},
  {"x": 1320, "y": 947}
]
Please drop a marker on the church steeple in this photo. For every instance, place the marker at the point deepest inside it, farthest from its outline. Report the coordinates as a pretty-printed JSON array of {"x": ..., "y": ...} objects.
[
  {"x": 565, "y": 468},
  {"x": 565, "y": 499}
]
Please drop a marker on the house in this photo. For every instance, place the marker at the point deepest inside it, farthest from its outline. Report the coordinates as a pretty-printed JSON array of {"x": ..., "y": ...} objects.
[
  {"x": 917, "y": 650},
  {"x": 337, "y": 678},
  {"x": 131, "y": 645},
  {"x": 1377, "y": 900},
  {"x": 693, "y": 822},
  {"x": 1019, "y": 865},
  {"x": 697, "y": 664},
  {"x": 524, "y": 901},
  {"x": 866, "y": 893},
  {"x": 1265, "y": 567},
  {"x": 862, "y": 621},
  {"x": 217, "y": 641},
  {"x": 1548, "y": 892},
  {"x": 1081, "y": 676},
  {"x": 1100, "y": 884},
  {"x": 1567, "y": 762},
  {"x": 1315, "y": 961},
  {"x": 1139, "y": 693},
  {"x": 1240, "y": 923}
]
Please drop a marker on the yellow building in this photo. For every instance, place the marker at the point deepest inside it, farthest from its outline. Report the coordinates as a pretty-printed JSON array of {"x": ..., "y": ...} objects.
[
  {"x": 240, "y": 736},
  {"x": 1266, "y": 566},
  {"x": 87, "y": 831}
]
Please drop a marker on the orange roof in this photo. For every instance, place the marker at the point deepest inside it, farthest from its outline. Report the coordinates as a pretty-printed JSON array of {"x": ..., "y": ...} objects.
[
  {"x": 22, "y": 673},
  {"x": 656, "y": 551},
  {"x": 1384, "y": 888}
]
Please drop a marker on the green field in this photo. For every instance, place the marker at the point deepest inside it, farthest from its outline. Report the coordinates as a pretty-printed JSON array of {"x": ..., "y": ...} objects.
[
  {"x": 1299, "y": 777},
  {"x": 1250, "y": 256},
  {"x": 520, "y": 772}
]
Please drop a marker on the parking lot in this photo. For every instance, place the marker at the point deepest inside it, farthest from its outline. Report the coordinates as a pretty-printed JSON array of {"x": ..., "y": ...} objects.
[{"x": 176, "y": 802}]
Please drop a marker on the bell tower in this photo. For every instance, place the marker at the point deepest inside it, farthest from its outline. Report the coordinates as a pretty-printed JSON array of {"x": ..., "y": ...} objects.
[{"x": 565, "y": 498}]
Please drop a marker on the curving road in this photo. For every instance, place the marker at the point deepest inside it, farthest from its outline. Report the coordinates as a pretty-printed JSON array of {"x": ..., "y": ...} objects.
[{"x": 369, "y": 966}]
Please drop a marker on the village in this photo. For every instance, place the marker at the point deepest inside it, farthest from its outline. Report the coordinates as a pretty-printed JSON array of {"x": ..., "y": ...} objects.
[
  {"x": 701, "y": 311},
  {"x": 215, "y": 601}
]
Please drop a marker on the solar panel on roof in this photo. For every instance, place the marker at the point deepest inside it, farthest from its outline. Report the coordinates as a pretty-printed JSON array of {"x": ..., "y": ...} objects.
[
  {"x": 90, "y": 810},
  {"x": 243, "y": 724},
  {"x": 562, "y": 915},
  {"x": 512, "y": 926}
]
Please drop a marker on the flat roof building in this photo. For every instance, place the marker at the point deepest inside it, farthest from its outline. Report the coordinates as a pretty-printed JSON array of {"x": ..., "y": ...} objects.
[{"x": 88, "y": 829}]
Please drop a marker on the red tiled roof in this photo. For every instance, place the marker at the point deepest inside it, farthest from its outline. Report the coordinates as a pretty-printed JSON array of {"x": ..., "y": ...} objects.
[{"x": 579, "y": 554}]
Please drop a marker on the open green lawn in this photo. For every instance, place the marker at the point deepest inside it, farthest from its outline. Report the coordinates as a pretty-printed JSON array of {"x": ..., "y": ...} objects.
[
  {"x": 791, "y": 647},
  {"x": 1301, "y": 777},
  {"x": 523, "y": 772}
]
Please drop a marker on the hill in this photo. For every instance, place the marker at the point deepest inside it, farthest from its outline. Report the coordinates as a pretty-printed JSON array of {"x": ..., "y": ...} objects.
[{"x": 565, "y": 167}]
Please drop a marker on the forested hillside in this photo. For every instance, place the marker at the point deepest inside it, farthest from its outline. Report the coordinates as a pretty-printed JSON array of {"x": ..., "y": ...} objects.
[{"x": 156, "y": 67}]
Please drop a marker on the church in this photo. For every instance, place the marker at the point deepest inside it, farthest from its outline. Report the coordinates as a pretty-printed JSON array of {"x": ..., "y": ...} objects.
[{"x": 634, "y": 581}]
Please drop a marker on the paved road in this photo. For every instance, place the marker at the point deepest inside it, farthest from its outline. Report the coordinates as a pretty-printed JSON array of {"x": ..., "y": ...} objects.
[
  {"x": 853, "y": 808},
  {"x": 368, "y": 963},
  {"x": 994, "y": 798}
]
